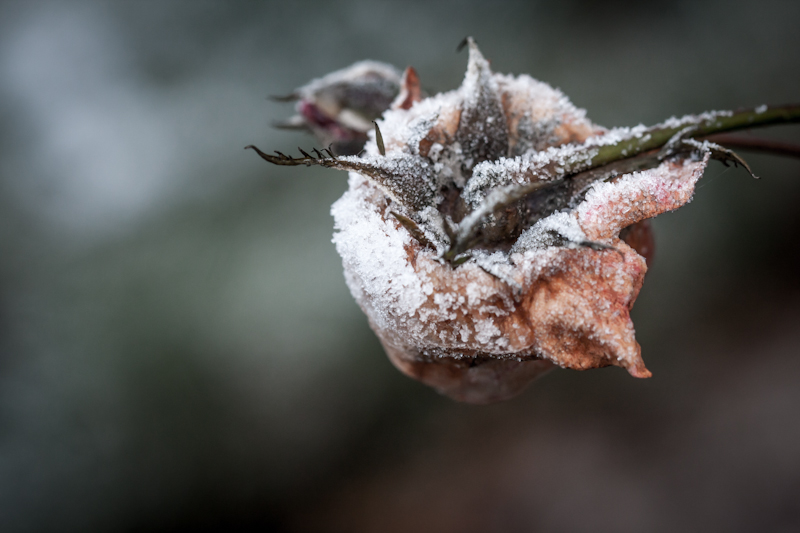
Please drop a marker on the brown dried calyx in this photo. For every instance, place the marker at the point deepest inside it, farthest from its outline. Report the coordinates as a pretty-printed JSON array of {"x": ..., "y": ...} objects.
[{"x": 481, "y": 237}]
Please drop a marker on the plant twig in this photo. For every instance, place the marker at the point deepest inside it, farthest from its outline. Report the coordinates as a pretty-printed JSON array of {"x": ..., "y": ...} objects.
[
  {"x": 702, "y": 126},
  {"x": 630, "y": 147},
  {"x": 755, "y": 144}
]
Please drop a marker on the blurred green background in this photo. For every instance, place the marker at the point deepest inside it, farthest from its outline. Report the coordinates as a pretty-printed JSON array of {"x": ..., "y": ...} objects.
[{"x": 178, "y": 349}]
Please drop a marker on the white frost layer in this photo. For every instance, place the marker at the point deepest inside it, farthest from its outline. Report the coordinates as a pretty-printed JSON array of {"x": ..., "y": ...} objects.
[
  {"x": 402, "y": 129},
  {"x": 534, "y": 166},
  {"x": 535, "y": 108},
  {"x": 374, "y": 251},
  {"x": 399, "y": 297},
  {"x": 428, "y": 305},
  {"x": 543, "y": 102},
  {"x": 610, "y": 206},
  {"x": 541, "y": 235}
]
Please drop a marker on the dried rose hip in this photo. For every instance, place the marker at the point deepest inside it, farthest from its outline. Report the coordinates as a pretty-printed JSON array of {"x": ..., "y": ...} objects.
[{"x": 492, "y": 232}]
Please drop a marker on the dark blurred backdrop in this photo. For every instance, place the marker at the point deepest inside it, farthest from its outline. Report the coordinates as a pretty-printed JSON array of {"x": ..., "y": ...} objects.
[{"x": 178, "y": 349}]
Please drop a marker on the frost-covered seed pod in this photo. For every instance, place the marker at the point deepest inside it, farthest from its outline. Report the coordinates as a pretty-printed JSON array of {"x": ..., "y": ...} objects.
[
  {"x": 532, "y": 295},
  {"x": 485, "y": 242}
]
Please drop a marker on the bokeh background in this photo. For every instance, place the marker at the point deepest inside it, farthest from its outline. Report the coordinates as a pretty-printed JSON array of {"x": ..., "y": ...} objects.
[{"x": 178, "y": 349}]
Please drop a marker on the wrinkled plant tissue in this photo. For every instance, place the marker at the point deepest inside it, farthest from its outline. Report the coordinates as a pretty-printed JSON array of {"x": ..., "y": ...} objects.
[{"x": 546, "y": 281}]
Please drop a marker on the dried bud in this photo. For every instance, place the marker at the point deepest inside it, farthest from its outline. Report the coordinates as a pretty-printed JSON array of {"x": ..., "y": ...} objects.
[
  {"x": 340, "y": 107},
  {"x": 492, "y": 232},
  {"x": 546, "y": 279}
]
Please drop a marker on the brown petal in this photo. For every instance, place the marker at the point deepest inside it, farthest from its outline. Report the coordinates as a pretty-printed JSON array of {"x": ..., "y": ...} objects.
[
  {"x": 610, "y": 207},
  {"x": 639, "y": 236},
  {"x": 410, "y": 91},
  {"x": 469, "y": 334}
]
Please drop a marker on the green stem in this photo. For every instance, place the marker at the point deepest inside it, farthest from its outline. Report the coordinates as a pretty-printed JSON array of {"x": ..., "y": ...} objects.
[
  {"x": 628, "y": 148},
  {"x": 706, "y": 124}
]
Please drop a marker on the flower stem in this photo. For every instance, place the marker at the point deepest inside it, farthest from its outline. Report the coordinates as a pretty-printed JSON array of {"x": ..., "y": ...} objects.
[
  {"x": 755, "y": 144},
  {"x": 629, "y": 148},
  {"x": 699, "y": 126}
]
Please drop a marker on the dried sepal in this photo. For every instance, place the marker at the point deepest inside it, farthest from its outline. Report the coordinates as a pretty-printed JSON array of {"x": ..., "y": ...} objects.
[
  {"x": 467, "y": 236},
  {"x": 720, "y": 153},
  {"x": 482, "y": 130},
  {"x": 413, "y": 229},
  {"x": 397, "y": 176},
  {"x": 379, "y": 139}
]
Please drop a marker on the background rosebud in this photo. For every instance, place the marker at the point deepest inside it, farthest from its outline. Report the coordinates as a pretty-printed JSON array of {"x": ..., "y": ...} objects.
[{"x": 339, "y": 108}]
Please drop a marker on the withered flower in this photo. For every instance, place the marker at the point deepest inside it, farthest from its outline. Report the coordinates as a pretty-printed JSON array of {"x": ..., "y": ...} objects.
[{"x": 481, "y": 231}]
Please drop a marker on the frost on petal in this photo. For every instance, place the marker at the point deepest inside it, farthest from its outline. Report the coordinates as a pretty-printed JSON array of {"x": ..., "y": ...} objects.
[
  {"x": 610, "y": 207},
  {"x": 467, "y": 332},
  {"x": 539, "y": 116}
]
